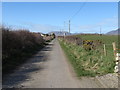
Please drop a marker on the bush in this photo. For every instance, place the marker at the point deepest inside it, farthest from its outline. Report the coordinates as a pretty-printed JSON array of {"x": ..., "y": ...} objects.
[
  {"x": 91, "y": 44},
  {"x": 18, "y": 44},
  {"x": 73, "y": 39},
  {"x": 48, "y": 37}
]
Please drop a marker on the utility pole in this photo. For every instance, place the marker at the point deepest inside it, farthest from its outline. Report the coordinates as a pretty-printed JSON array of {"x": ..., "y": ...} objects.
[
  {"x": 64, "y": 25},
  {"x": 100, "y": 30},
  {"x": 69, "y": 26},
  {"x": 60, "y": 31}
]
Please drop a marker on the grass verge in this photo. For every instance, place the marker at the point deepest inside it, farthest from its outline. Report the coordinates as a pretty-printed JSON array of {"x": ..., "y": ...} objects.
[{"x": 88, "y": 63}]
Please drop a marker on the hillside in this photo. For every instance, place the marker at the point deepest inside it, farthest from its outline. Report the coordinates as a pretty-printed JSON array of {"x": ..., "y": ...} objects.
[
  {"x": 114, "y": 32},
  {"x": 60, "y": 33}
]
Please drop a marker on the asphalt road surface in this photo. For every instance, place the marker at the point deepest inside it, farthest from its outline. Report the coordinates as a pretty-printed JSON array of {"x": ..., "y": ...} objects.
[{"x": 49, "y": 68}]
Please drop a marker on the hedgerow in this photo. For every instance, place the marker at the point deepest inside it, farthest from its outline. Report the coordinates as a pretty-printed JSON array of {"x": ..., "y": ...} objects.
[{"x": 18, "y": 45}]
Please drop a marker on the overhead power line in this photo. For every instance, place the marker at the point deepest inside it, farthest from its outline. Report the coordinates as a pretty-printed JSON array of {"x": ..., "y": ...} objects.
[
  {"x": 75, "y": 15},
  {"x": 78, "y": 10}
]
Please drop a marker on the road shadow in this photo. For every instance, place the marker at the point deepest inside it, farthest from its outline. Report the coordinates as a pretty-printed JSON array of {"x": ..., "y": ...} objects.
[
  {"x": 22, "y": 75},
  {"x": 48, "y": 47},
  {"x": 23, "y": 72}
]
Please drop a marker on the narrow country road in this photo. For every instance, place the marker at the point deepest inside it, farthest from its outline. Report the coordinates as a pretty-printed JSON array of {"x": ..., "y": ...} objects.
[{"x": 49, "y": 68}]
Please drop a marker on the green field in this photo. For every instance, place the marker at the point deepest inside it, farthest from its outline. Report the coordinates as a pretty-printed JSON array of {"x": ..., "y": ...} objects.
[
  {"x": 107, "y": 39},
  {"x": 93, "y": 62}
]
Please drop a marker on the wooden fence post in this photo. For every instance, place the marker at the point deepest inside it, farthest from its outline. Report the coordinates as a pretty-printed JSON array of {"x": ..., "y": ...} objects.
[
  {"x": 105, "y": 50},
  {"x": 114, "y": 48}
]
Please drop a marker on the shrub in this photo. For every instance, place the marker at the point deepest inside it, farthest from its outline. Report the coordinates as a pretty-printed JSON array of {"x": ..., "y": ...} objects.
[
  {"x": 48, "y": 37},
  {"x": 18, "y": 44},
  {"x": 73, "y": 39},
  {"x": 91, "y": 44}
]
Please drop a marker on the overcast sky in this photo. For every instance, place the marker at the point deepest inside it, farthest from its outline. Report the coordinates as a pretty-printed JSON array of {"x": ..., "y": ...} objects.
[{"x": 50, "y": 16}]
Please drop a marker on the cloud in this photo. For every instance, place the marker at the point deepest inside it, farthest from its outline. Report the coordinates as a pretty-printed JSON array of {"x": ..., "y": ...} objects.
[
  {"x": 110, "y": 21},
  {"x": 106, "y": 24},
  {"x": 44, "y": 28}
]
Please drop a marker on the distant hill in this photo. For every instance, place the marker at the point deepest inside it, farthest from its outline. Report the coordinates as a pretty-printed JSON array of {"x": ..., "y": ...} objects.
[
  {"x": 114, "y": 32},
  {"x": 60, "y": 33}
]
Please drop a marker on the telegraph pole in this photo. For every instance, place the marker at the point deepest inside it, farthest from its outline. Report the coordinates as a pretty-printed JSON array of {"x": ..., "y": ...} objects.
[
  {"x": 64, "y": 25},
  {"x": 100, "y": 30},
  {"x": 69, "y": 26}
]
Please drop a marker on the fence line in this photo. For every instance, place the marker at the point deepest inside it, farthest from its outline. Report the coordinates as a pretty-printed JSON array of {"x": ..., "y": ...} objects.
[{"x": 117, "y": 58}]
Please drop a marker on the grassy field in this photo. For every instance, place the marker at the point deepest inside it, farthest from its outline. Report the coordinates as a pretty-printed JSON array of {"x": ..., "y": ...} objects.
[
  {"x": 92, "y": 62},
  {"x": 106, "y": 39}
]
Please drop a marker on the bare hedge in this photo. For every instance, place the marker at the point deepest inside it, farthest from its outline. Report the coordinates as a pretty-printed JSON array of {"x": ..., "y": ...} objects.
[
  {"x": 17, "y": 44},
  {"x": 72, "y": 39}
]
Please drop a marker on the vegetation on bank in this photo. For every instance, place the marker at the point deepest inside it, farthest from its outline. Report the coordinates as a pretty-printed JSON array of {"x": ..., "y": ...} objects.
[
  {"x": 18, "y": 46},
  {"x": 90, "y": 61},
  {"x": 106, "y": 39}
]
